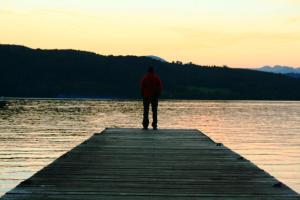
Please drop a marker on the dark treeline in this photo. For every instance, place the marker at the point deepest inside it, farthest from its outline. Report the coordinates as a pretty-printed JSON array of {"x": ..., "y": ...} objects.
[{"x": 29, "y": 72}]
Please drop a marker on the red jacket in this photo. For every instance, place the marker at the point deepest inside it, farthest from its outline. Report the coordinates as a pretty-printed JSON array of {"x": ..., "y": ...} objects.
[{"x": 151, "y": 86}]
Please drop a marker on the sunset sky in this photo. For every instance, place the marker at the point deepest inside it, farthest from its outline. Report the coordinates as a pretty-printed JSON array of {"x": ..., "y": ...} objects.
[{"x": 238, "y": 33}]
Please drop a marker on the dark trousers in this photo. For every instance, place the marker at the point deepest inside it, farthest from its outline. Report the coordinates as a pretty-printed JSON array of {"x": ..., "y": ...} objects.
[{"x": 154, "y": 105}]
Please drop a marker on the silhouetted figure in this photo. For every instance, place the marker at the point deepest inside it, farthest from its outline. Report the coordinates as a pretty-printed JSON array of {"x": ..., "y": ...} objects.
[{"x": 151, "y": 88}]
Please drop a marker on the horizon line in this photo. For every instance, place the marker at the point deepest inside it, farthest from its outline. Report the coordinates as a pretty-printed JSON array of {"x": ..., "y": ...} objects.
[{"x": 90, "y": 51}]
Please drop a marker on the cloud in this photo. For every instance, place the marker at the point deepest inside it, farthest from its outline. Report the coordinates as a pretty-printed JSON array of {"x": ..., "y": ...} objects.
[
  {"x": 65, "y": 12},
  {"x": 279, "y": 36},
  {"x": 294, "y": 20},
  {"x": 294, "y": 2},
  {"x": 11, "y": 12},
  {"x": 212, "y": 38}
]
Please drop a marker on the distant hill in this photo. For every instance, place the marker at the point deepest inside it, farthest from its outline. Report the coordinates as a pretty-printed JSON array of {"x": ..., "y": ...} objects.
[
  {"x": 27, "y": 72},
  {"x": 278, "y": 69},
  {"x": 157, "y": 58},
  {"x": 294, "y": 75}
]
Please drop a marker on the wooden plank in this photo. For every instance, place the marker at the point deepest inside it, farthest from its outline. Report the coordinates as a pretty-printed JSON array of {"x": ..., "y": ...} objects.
[{"x": 165, "y": 164}]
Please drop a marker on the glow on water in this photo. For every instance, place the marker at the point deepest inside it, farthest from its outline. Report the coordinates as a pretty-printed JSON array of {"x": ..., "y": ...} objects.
[{"x": 33, "y": 133}]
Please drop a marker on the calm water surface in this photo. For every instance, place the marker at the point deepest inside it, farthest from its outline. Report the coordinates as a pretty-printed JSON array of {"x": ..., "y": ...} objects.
[{"x": 33, "y": 133}]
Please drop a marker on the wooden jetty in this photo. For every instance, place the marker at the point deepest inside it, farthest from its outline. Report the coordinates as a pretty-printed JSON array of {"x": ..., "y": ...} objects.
[{"x": 134, "y": 164}]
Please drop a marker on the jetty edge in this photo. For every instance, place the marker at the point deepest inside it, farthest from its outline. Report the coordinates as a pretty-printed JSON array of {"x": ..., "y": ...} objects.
[{"x": 135, "y": 164}]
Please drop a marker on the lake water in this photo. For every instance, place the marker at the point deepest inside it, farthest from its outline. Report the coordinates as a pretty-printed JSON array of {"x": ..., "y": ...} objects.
[{"x": 33, "y": 133}]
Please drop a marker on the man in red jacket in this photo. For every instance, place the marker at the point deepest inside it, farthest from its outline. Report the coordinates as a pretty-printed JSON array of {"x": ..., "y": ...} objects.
[{"x": 151, "y": 88}]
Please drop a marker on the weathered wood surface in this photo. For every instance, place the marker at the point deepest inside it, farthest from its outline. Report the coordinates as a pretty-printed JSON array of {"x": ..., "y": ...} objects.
[{"x": 166, "y": 164}]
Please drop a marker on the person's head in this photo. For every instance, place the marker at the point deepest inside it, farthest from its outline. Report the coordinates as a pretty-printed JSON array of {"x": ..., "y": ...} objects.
[{"x": 151, "y": 70}]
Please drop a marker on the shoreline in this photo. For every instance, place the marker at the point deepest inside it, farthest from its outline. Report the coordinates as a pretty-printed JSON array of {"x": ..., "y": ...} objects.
[{"x": 129, "y": 99}]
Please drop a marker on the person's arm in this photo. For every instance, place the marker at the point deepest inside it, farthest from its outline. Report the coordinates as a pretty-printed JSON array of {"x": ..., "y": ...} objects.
[{"x": 160, "y": 87}]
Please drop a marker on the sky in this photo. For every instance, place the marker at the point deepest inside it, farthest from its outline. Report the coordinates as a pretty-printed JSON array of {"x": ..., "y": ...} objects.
[{"x": 237, "y": 33}]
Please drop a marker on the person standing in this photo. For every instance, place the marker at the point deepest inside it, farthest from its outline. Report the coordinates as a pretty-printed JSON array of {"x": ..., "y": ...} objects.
[{"x": 151, "y": 88}]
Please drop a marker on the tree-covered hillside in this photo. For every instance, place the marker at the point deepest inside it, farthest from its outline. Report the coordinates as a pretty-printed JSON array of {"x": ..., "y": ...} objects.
[{"x": 29, "y": 72}]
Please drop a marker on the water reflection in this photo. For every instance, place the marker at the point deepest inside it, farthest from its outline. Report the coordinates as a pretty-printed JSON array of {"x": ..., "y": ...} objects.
[{"x": 35, "y": 132}]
